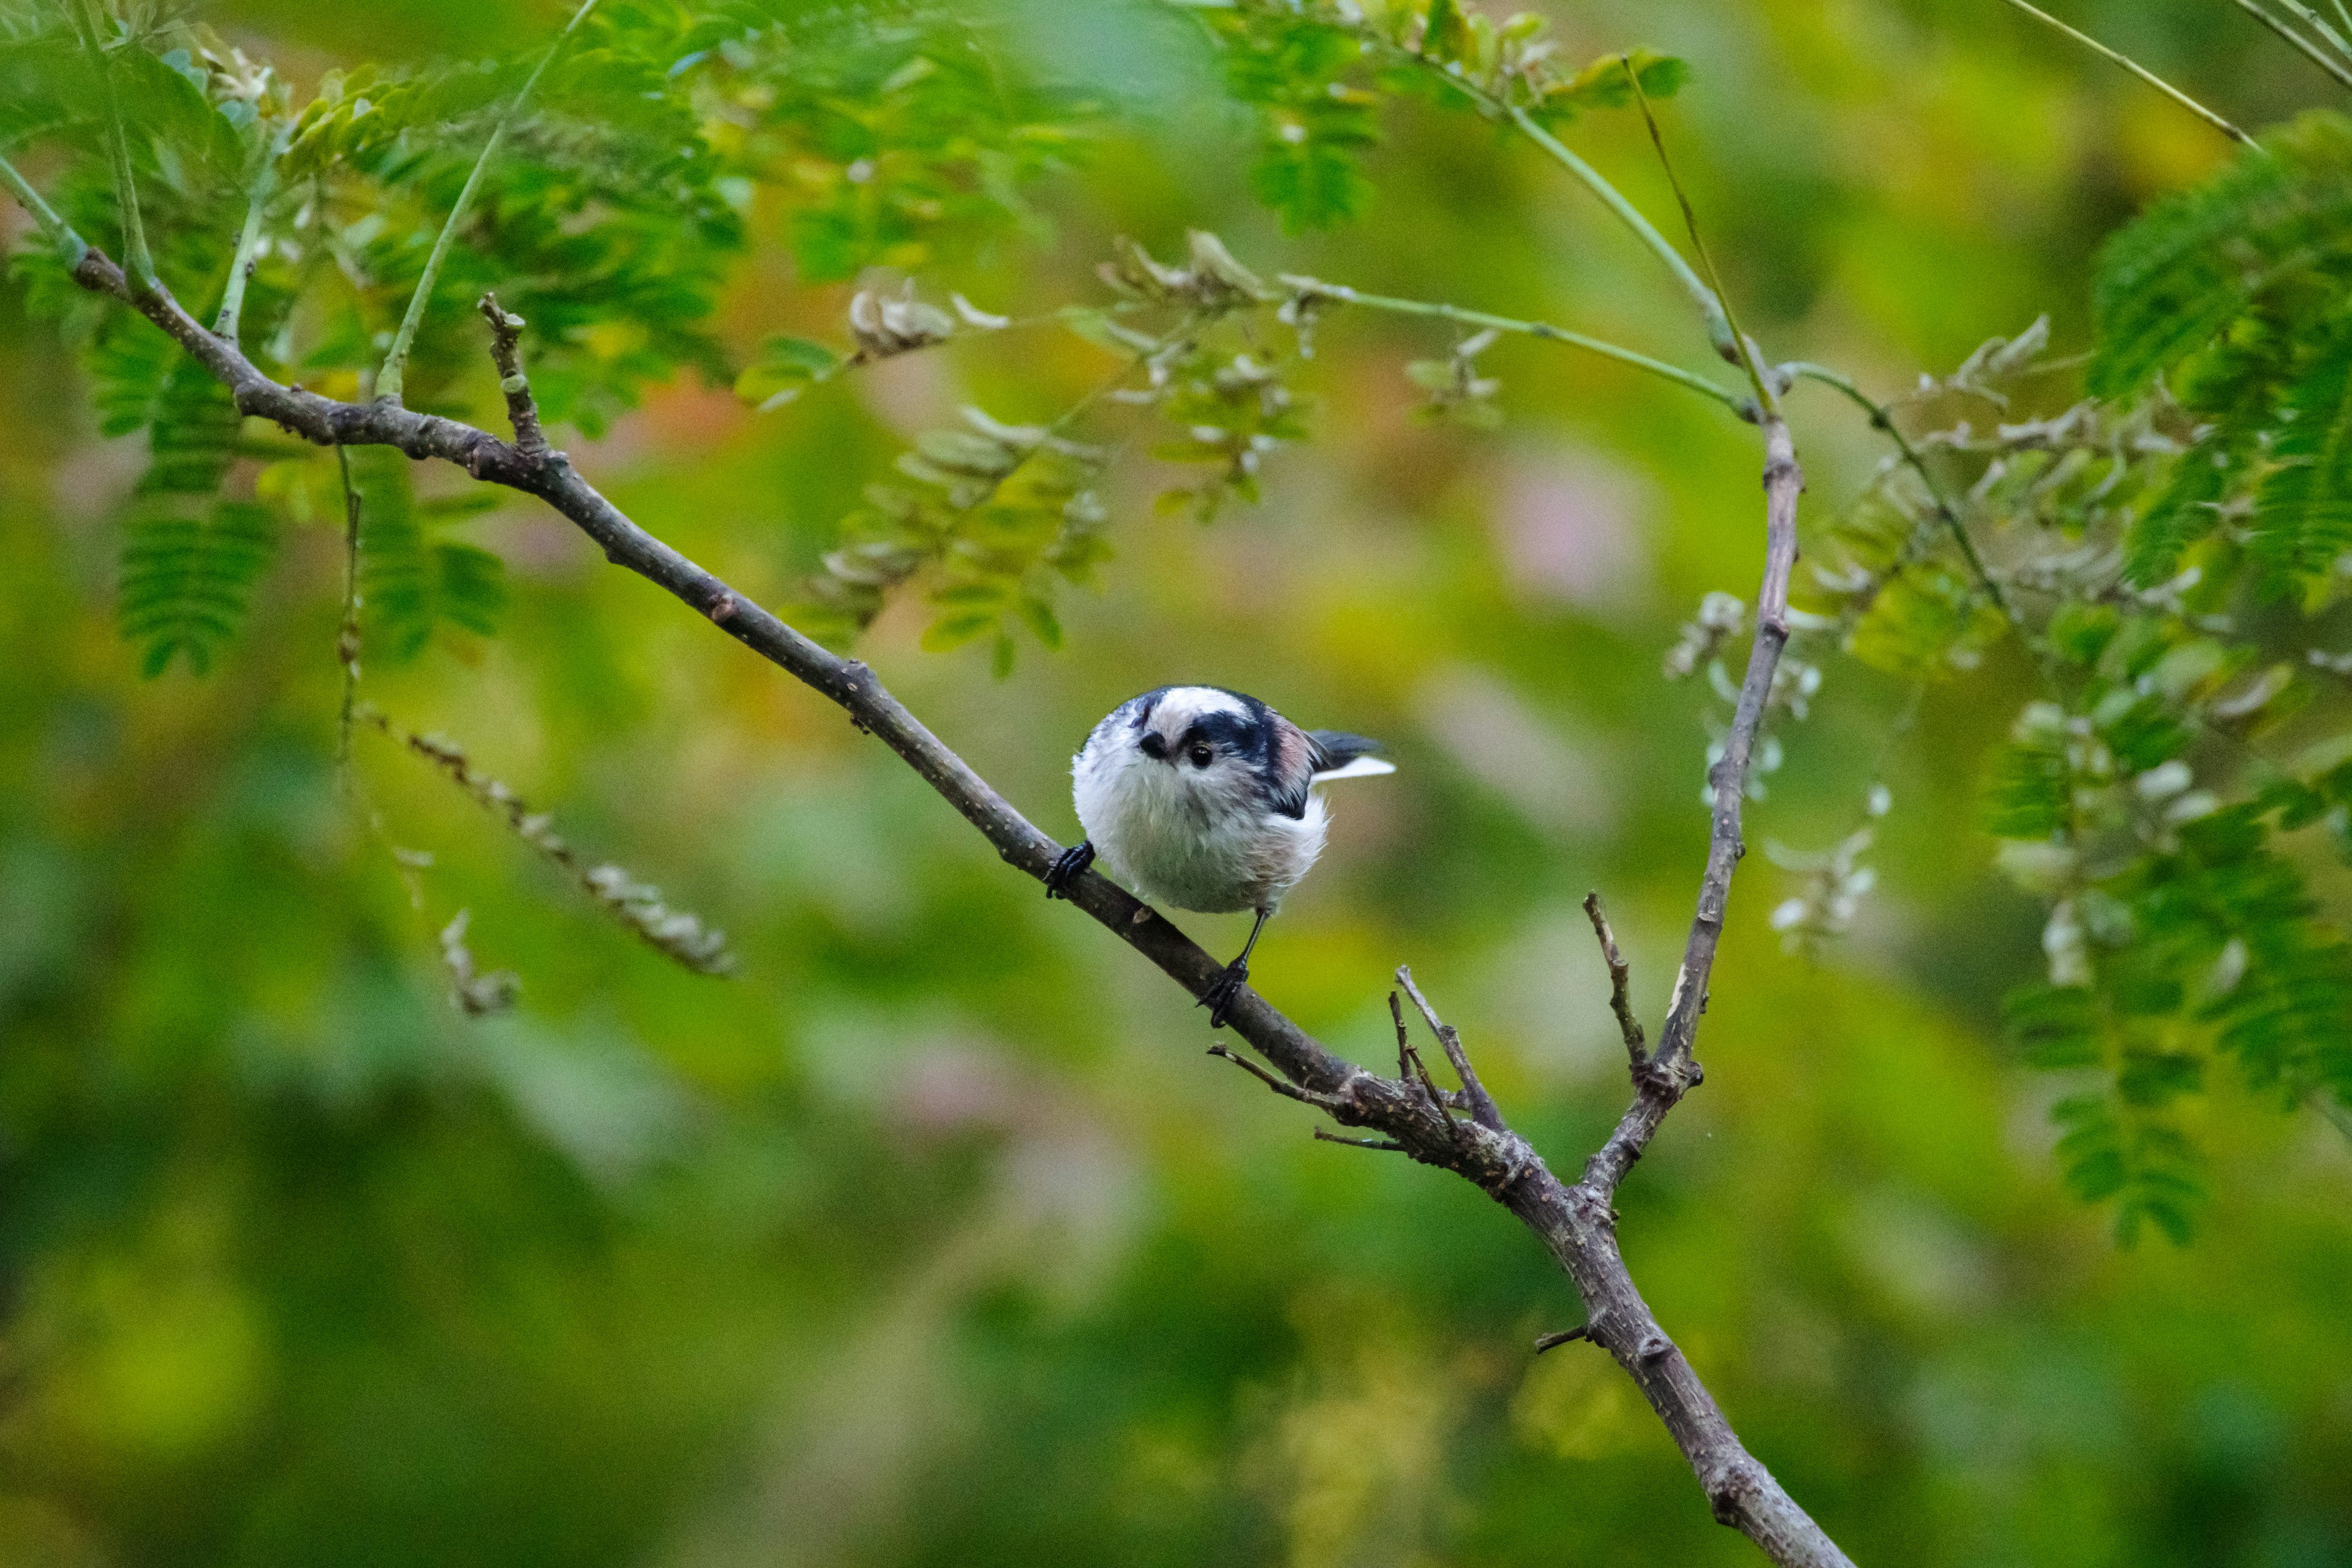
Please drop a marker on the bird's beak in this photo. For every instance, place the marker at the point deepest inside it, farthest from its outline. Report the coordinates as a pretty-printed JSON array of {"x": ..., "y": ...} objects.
[{"x": 1155, "y": 745}]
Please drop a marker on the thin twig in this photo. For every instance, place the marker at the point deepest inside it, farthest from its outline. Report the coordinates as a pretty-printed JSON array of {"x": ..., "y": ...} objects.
[
  {"x": 1282, "y": 1086},
  {"x": 1711, "y": 308},
  {"x": 506, "y": 353},
  {"x": 347, "y": 639},
  {"x": 673, "y": 933},
  {"x": 1552, "y": 1342},
  {"x": 1743, "y": 352},
  {"x": 390, "y": 379},
  {"x": 1719, "y": 326},
  {"x": 1482, "y": 1104},
  {"x": 2340, "y": 42},
  {"x": 126, "y": 192},
  {"x": 1411, "y": 1069},
  {"x": 2304, "y": 46},
  {"x": 1383, "y": 1144},
  {"x": 1620, "y": 974},
  {"x": 2141, "y": 71}
]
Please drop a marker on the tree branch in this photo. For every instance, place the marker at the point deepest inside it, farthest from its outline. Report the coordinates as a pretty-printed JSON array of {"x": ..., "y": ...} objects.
[{"x": 1576, "y": 1224}]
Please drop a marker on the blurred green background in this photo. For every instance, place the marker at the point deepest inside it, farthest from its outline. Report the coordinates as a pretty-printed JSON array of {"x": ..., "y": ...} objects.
[{"x": 932, "y": 1236}]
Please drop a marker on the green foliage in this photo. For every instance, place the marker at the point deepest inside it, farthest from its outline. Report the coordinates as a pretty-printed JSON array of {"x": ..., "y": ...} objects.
[
  {"x": 187, "y": 582},
  {"x": 901, "y": 143},
  {"x": 2302, "y": 512},
  {"x": 1317, "y": 74},
  {"x": 411, "y": 582},
  {"x": 2147, "y": 1166},
  {"x": 1000, "y": 513},
  {"x": 2234, "y": 292},
  {"x": 2275, "y": 224}
]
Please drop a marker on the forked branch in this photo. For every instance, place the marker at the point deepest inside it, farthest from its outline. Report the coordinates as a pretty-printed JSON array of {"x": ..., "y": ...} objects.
[{"x": 1575, "y": 1223}]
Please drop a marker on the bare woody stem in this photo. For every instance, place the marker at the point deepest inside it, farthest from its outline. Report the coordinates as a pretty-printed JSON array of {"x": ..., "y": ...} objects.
[
  {"x": 390, "y": 379},
  {"x": 1576, "y": 1224},
  {"x": 2133, "y": 65},
  {"x": 1620, "y": 974},
  {"x": 1783, "y": 482},
  {"x": 506, "y": 353}
]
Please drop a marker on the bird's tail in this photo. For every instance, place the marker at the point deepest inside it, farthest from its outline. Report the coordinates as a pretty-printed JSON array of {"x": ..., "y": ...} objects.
[{"x": 1340, "y": 755}]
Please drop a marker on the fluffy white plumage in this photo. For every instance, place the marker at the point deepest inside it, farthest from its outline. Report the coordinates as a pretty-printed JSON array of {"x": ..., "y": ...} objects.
[{"x": 1235, "y": 832}]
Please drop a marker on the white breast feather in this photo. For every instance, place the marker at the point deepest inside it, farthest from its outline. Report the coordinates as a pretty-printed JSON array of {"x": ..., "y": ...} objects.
[{"x": 1202, "y": 842}]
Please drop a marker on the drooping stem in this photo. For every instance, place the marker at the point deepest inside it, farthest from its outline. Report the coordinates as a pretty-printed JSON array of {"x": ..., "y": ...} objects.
[
  {"x": 2304, "y": 46},
  {"x": 347, "y": 640},
  {"x": 2139, "y": 70},
  {"x": 1317, "y": 288},
  {"x": 70, "y": 247},
  {"x": 141, "y": 265},
  {"x": 389, "y": 380}
]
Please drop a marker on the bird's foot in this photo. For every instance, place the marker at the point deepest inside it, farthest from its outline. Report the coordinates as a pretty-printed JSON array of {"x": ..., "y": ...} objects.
[
  {"x": 1067, "y": 869},
  {"x": 1219, "y": 997}
]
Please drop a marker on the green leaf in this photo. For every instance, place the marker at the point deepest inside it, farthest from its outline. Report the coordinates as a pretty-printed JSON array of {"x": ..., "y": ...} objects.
[
  {"x": 187, "y": 582},
  {"x": 786, "y": 368},
  {"x": 2028, "y": 792},
  {"x": 2167, "y": 286},
  {"x": 2302, "y": 512},
  {"x": 2053, "y": 1026},
  {"x": 411, "y": 583},
  {"x": 1446, "y": 36}
]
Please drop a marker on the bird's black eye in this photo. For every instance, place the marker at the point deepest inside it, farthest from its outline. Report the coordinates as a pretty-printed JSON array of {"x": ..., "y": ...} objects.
[{"x": 1201, "y": 755}]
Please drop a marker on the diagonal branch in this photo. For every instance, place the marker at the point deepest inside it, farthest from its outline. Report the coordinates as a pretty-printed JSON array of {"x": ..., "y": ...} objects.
[{"x": 1575, "y": 1223}]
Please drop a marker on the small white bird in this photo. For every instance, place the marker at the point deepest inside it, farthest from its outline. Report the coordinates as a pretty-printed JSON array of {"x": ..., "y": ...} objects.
[{"x": 1203, "y": 798}]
